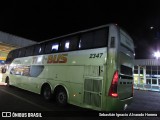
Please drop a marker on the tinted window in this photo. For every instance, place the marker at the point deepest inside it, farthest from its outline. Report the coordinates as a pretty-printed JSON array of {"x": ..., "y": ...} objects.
[
  {"x": 126, "y": 70},
  {"x": 51, "y": 47},
  {"x": 100, "y": 38},
  {"x": 70, "y": 43},
  {"x": 29, "y": 51},
  {"x": 39, "y": 49},
  {"x": 22, "y": 52},
  {"x": 15, "y": 53},
  {"x": 12, "y": 54},
  {"x": 94, "y": 39},
  {"x": 86, "y": 41},
  {"x": 9, "y": 57}
]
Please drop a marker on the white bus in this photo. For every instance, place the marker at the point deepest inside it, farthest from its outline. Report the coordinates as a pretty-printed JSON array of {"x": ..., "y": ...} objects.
[{"x": 92, "y": 68}]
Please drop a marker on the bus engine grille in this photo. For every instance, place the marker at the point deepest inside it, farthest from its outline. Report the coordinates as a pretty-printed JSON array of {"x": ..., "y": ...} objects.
[{"x": 92, "y": 92}]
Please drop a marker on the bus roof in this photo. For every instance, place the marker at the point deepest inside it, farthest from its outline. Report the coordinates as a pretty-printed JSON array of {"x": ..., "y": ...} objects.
[
  {"x": 81, "y": 31},
  {"x": 74, "y": 33}
]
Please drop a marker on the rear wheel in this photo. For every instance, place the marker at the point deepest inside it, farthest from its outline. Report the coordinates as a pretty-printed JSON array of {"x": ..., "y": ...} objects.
[
  {"x": 46, "y": 92},
  {"x": 61, "y": 97}
]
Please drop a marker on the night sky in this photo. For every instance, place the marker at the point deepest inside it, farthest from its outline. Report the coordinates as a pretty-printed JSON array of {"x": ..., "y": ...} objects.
[{"x": 39, "y": 20}]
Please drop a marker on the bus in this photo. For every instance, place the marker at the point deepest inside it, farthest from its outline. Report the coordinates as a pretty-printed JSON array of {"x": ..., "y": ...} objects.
[{"x": 91, "y": 68}]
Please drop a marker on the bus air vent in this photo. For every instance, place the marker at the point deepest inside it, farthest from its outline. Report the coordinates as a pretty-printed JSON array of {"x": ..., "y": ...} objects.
[{"x": 92, "y": 92}]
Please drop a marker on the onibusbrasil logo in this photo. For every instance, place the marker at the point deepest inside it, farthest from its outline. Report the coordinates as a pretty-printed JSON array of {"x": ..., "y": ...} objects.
[{"x": 19, "y": 114}]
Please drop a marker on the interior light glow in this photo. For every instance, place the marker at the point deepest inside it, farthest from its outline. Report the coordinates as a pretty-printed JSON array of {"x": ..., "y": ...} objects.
[
  {"x": 40, "y": 50},
  {"x": 79, "y": 44},
  {"x": 67, "y": 45},
  {"x": 151, "y": 27},
  {"x": 55, "y": 47}
]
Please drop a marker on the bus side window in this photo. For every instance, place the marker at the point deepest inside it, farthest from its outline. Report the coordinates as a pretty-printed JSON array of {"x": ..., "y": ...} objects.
[
  {"x": 51, "y": 47},
  {"x": 100, "y": 38},
  {"x": 54, "y": 47},
  {"x": 94, "y": 39},
  {"x": 22, "y": 52},
  {"x": 39, "y": 49},
  {"x": 86, "y": 41},
  {"x": 15, "y": 53},
  {"x": 29, "y": 51},
  {"x": 9, "y": 57},
  {"x": 69, "y": 44}
]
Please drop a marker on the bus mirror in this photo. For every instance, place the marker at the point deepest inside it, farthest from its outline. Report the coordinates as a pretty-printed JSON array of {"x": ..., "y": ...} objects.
[{"x": 3, "y": 70}]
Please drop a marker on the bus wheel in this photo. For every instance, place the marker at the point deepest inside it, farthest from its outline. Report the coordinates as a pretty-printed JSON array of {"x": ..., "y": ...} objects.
[
  {"x": 7, "y": 81},
  {"x": 46, "y": 92},
  {"x": 61, "y": 97}
]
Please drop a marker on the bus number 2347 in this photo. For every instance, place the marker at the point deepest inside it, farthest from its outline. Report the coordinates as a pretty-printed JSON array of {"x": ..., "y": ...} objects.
[{"x": 96, "y": 55}]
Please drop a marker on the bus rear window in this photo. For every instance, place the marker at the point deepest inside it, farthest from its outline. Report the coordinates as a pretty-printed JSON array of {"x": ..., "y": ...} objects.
[{"x": 126, "y": 70}]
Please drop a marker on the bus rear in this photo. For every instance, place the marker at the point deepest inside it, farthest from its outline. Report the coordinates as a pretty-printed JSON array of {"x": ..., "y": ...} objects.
[{"x": 119, "y": 78}]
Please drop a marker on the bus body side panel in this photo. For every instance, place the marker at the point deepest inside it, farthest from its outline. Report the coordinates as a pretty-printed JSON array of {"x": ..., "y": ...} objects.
[
  {"x": 79, "y": 75},
  {"x": 70, "y": 77}
]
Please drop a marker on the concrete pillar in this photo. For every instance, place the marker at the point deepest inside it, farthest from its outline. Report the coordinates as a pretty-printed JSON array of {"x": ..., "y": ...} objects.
[
  {"x": 138, "y": 74},
  {"x": 144, "y": 74}
]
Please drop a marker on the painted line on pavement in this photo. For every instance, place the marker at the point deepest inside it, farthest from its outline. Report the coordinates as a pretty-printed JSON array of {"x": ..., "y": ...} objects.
[{"x": 44, "y": 108}]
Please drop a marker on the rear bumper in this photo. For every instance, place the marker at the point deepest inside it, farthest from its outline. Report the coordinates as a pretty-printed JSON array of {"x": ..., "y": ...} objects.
[{"x": 115, "y": 104}]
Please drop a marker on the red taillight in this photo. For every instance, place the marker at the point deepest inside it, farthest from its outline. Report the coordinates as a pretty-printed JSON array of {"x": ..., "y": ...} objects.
[
  {"x": 114, "y": 84},
  {"x": 114, "y": 95}
]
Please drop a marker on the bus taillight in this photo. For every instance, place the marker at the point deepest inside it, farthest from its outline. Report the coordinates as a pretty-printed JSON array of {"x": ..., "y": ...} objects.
[{"x": 114, "y": 84}]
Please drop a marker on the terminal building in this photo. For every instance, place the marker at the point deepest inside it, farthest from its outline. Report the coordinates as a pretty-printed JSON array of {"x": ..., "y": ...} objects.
[
  {"x": 9, "y": 42},
  {"x": 147, "y": 74}
]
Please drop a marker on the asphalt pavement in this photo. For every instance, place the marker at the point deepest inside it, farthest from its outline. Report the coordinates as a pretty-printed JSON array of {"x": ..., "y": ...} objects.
[{"x": 18, "y": 100}]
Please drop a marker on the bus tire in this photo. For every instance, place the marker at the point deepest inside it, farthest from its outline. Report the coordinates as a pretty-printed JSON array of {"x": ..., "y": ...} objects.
[
  {"x": 7, "y": 81},
  {"x": 46, "y": 93},
  {"x": 61, "y": 97}
]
